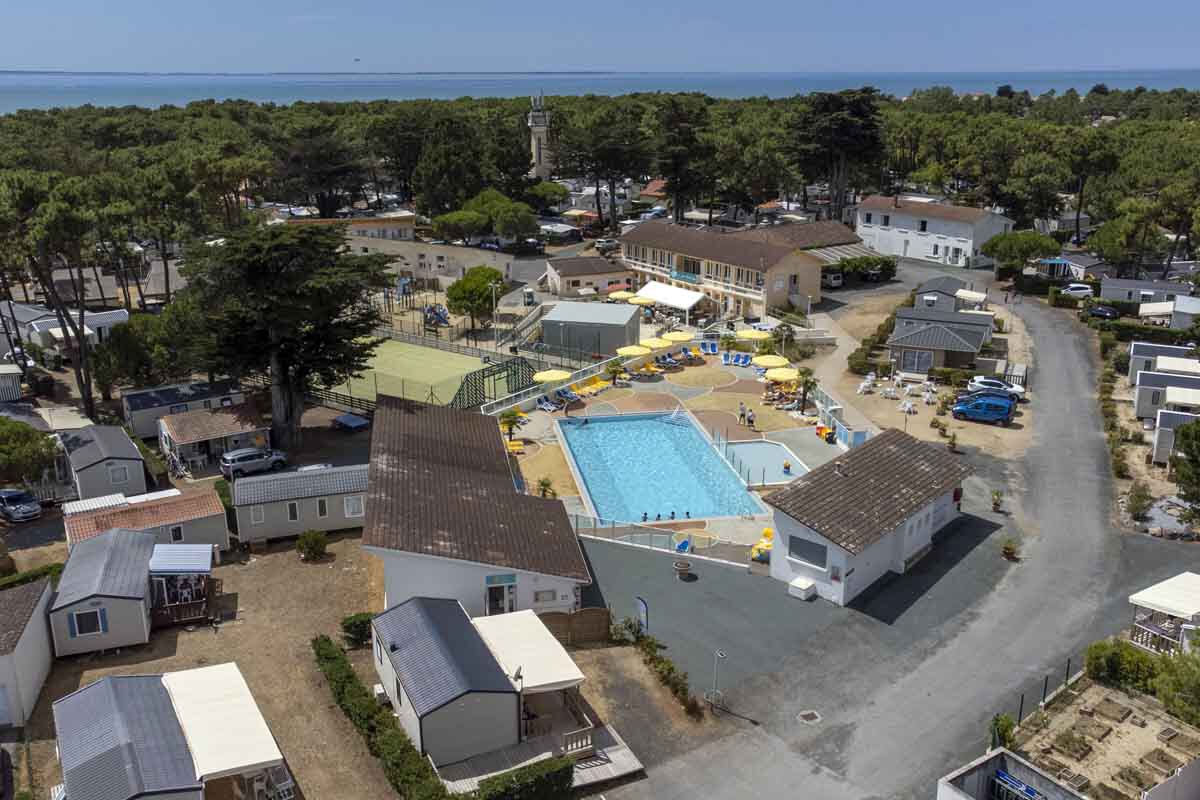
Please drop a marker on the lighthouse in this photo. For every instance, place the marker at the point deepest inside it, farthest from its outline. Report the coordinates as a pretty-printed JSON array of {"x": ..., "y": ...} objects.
[{"x": 539, "y": 139}]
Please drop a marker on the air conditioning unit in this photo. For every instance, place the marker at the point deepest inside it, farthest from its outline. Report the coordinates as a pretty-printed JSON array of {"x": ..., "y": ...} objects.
[
  {"x": 381, "y": 696},
  {"x": 804, "y": 588}
]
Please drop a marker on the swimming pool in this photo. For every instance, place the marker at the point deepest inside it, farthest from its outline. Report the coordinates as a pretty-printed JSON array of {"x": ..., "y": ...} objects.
[
  {"x": 761, "y": 461},
  {"x": 653, "y": 464}
]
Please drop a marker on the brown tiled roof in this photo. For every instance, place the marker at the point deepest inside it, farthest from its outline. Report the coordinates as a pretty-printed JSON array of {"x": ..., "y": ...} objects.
[
  {"x": 204, "y": 424},
  {"x": 727, "y": 248},
  {"x": 861, "y": 496},
  {"x": 878, "y": 202},
  {"x": 804, "y": 235},
  {"x": 142, "y": 516},
  {"x": 440, "y": 485},
  {"x": 585, "y": 265},
  {"x": 655, "y": 188},
  {"x": 16, "y": 608}
]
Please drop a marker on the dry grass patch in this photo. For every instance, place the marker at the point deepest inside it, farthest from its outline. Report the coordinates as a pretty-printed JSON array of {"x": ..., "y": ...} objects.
[{"x": 549, "y": 462}]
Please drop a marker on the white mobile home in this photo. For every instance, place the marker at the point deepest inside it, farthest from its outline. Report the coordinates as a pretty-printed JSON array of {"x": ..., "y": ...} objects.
[
  {"x": 1150, "y": 392},
  {"x": 143, "y": 408},
  {"x": 25, "y": 652},
  {"x": 1165, "y": 423},
  {"x": 1142, "y": 356},
  {"x": 104, "y": 461},
  {"x": 289, "y": 503},
  {"x": 1134, "y": 291},
  {"x": 872, "y": 510}
]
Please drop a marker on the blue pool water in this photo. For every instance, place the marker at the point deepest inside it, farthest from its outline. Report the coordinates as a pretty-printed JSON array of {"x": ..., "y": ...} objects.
[
  {"x": 761, "y": 461},
  {"x": 653, "y": 464}
]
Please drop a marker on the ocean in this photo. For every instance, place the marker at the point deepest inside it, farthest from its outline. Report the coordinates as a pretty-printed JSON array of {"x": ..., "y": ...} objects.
[{"x": 20, "y": 90}]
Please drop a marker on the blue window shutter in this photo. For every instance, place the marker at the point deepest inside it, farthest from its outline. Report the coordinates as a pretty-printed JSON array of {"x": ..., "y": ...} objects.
[
  {"x": 103, "y": 620},
  {"x": 70, "y": 626}
]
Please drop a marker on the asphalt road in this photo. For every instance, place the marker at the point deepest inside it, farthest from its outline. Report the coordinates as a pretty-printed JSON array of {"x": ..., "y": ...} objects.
[{"x": 906, "y": 682}]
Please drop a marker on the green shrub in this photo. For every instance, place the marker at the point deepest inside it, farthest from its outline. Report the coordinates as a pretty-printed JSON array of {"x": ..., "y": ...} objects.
[
  {"x": 224, "y": 492},
  {"x": 29, "y": 576},
  {"x": 1108, "y": 341},
  {"x": 1120, "y": 361},
  {"x": 1120, "y": 465},
  {"x": 1128, "y": 330},
  {"x": 1178, "y": 685},
  {"x": 312, "y": 545},
  {"x": 549, "y": 779},
  {"x": 356, "y": 629},
  {"x": 1139, "y": 500},
  {"x": 1059, "y": 300},
  {"x": 951, "y": 377},
  {"x": 1003, "y": 730},
  {"x": 1121, "y": 665}
]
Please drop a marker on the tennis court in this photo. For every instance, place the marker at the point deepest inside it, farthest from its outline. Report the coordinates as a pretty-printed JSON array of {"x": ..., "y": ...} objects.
[{"x": 408, "y": 370}]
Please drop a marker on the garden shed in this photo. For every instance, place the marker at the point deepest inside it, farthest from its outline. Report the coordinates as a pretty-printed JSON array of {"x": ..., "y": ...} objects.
[{"x": 591, "y": 327}]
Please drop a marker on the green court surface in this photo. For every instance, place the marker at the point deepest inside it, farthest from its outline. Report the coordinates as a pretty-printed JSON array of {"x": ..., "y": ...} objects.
[{"x": 408, "y": 370}]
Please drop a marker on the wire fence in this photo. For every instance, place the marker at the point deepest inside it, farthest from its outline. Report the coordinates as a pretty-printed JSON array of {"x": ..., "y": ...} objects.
[
  {"x": 1037, "y": 692},
  {"x": 682, "y": 540},
  {"x": 525, "y": 395}
]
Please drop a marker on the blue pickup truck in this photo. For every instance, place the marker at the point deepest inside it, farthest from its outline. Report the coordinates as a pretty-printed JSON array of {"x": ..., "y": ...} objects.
[{"x": 985, "y": 408}]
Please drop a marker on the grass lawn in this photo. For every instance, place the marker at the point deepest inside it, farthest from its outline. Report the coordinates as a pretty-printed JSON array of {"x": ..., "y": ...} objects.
[{"x": 408, "y": 370}]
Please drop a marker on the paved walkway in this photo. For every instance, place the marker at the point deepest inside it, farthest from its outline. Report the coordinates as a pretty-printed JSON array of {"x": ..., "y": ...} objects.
[{"x": 833, "y": 365}]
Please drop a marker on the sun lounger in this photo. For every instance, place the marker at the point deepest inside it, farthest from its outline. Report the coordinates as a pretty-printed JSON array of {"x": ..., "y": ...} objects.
[
  {"x": 725, "y": 359},
  {"x": 708, "y": 348},
  {"x": 567, "y": 395},
  {"x": 743, "y": 360},
  {"x": 516, "y": 448},
  {"x": 697, "y": 353}
]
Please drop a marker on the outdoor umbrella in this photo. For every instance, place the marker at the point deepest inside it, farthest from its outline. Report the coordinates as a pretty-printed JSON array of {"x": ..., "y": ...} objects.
[
  {"x": 622, "y": 295},
  {"x": 550, "y": 375},
  {"x": 752, "y": 335},
  {"x": 780, "y": 374},
  {"x": 654, "y": 344},
  {"x": 769, "y": 361},
  {"x": 638, "y": 300},
  {"x": 677, "y": 336},
  {"x": 633, "y": 350}
]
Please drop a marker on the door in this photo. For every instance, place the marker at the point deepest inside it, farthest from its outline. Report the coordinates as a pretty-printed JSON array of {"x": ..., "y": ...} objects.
[
  {"x": 497, "y": 600},
  {"x": 5, "y": 713},
  {"x": 906, "y": 248}
]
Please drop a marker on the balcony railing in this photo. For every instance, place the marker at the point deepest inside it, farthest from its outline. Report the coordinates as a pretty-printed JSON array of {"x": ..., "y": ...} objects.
[
  {"x": 687, "y": 277},
  {"x": 750, "y": 291}
]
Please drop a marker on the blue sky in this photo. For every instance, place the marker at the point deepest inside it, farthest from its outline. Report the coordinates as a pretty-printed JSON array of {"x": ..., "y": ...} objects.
[{"x": 702, "y": 35}]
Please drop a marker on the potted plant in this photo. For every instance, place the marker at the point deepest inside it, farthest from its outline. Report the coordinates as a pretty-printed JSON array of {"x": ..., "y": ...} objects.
[
  {"x": 1010, "y": 550},
  {"x": 545, "y": 487},
  {"x": 997, "y": 496},
  {"x": 510, "y": 420},
  {"x": 952, "y": 443}
]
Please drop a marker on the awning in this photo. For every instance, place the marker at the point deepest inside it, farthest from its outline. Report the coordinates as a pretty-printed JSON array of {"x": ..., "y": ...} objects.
[
  {"x": 521, "y": 641},
  {"x": 840, "y": 252},
  {"x": 1182, "y": 366},
  {"x": 578, "y": 212},
  {"x": 58, "y": 335},
  {"x": 181, "y": 559},
  {"x": 1156, "y": 309},
  {"x": 968, "y": 296},
  {"x": 586, "y": 291},
  {"x": 673, "y": 296},
  {"x": 1179, "y": 396},
  {"x": 1178, "y": 596},
  {"x": 222, "y": 724}
]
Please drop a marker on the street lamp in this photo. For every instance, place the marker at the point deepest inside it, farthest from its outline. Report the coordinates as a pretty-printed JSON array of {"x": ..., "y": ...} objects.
[
  {"x": 713, "y": 696},
  {"x": 495, "y": 307}
]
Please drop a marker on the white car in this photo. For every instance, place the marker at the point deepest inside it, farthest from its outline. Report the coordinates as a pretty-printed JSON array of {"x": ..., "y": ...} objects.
[
  {"x": 1079, "y": 291},
  {"x": 981, "y": 382}
]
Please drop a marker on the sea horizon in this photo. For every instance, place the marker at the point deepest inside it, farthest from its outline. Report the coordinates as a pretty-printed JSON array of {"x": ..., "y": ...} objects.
[{"x": 44, "y": 89}]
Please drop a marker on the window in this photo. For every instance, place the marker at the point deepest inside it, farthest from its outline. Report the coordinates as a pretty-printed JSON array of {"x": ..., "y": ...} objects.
[
  {"x": 544, "y": 596},
  {"x": 935, "y": 249},
  {"x": 809, "y": 552},
  {"x": 322, "y": 508},
  {"x": 118, "y": 475},
  {"x": 378, "y": 650},
  {"x": 353, "y": 505},
  {"x": 1155, "y": 397},
  {"x": 923, "y": 225},
  {"x": 293, "y": 512},
  {"x": 257, "y": 516},
  {"x": 887, "y": 220},
  {"x": 399, "y": 694},
  {"x": 178, "y": 409},
  {"x": 208, "y": 403},
  {"x": 87, "y": 623},
  {"x": 226, "y": 402},
  {"x": 176, "y": 533},
  {"x": 867, "y": 218}
]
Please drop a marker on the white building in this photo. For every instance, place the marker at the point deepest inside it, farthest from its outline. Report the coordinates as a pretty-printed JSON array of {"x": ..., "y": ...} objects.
[
  {"x": 1142, "y": 356},
  {"x": 928, "y": 230},
  {"x": 1002, "y": 775},
  {"x": 25, "y": 652},
  {"x": 1165, "y": 423},
  {"x": 447, "y": 520},
  {"x": 1158, "y": 390},
  {"x": 872, "y": 510}
]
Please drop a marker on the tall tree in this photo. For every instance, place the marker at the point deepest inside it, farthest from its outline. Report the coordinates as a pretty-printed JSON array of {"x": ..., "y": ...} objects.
[
  {"x": 1132, "y": 237},
  {"x": 1087, "y": 154},
  {"x": 475, "y": 293},
  {"x": 321, "y": 162},
  {"x": 682, "y": 149},
  {"x": 291, "y": 302},
  {"x": 839, "y": 132},
  {"x": 25, "y": 453},
  {"x": 167, "y": 203},
  {"x": 450, "y": 169}
]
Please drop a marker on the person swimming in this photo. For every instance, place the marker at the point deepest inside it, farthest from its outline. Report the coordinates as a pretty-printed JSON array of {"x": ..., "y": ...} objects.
[
  {"x": 672, "y": 515},
  {"x": 645, "y": 516}
]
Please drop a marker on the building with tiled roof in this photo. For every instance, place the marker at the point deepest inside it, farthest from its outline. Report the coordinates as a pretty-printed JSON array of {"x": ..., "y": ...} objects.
[
  {"x": 195, "y": 518},
  {"x": 25, "y": 649},
  {"x": 872, "y": 510},
  {"x": 928, "y": 229}
]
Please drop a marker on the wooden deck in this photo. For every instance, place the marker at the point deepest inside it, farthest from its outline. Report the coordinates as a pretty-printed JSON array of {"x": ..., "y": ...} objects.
[{"x": 612, "y": 759}]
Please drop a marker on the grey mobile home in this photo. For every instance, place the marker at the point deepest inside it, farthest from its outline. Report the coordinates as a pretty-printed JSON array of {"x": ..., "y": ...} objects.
[
  {"x": 143, "y": 407},
  {"x": 288, "y": 503}
]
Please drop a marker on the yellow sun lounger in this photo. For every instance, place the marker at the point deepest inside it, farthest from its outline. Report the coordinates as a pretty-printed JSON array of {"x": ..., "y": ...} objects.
[{"x": 516, "y": 448}]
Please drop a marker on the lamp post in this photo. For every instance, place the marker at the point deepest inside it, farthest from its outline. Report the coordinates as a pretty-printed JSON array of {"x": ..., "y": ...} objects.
[
  {"x": 495, "y": 307},
  {"x": 713, "y": 696}
]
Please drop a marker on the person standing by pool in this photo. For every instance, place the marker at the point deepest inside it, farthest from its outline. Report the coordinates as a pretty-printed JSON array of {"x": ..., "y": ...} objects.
[
  {"x": 741, "y": 413},
  {"x": 750, "y": 418}
]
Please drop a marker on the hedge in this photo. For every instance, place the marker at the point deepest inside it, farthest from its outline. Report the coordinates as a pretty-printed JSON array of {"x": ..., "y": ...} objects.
[
  {"x": 29, "y": 576},
  {"x": 409, "y": 772},
  {"x": 1127, "y": 331},
  {"x": 549, "y": 779},
  {"x": 1121, "y": 665},
  {"x": 950, "y": 376},
  {"x": 356, "y": 628}
]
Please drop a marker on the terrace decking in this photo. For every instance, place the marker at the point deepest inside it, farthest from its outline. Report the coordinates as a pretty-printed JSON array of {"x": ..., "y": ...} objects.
[{"x": 611, "y": 759}]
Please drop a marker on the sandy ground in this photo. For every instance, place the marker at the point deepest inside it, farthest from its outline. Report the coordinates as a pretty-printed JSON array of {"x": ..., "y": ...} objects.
[
  {"x": 1154, "y": 476},
  {"x": 33, "y": 557},
  {"x": 861, "y": 319},
  {"x": 702, "y": 377},
  {"x": 325, "y": 753},
  {"x": 766, "y": 417},
  {"x": 1123, "y": 746},
  {"x": 548, "y": 462}
]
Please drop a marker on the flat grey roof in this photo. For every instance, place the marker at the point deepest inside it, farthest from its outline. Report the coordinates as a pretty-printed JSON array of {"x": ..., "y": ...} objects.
[
  {"x": 115, "y": 563},
  {"x": 1153, "y": 286},
  {"x": 1162, "y": 380},
  {"x": 592, "y": 313},
  {"x": 293, "y": 485},
  {"x": 1170, "y": 420},
  {"x": 161, "y": 396},
  {"x": 120, "y": 738},
  {"x": 1154, "y": 349},
  {"x": 437, "y": 653},
  {"x": 95, "y": 443},
  {"x": 950, "y": 317}
]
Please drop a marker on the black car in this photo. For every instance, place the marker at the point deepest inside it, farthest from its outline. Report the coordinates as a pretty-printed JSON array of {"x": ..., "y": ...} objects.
[{"x": 1104, "y": 312}]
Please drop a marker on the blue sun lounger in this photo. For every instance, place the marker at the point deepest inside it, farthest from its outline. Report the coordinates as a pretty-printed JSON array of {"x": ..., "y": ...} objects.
[{"x": 725, "y": 359}]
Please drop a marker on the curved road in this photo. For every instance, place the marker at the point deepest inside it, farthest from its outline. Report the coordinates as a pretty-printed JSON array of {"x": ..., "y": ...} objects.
[{"x": 903, "y": 703}]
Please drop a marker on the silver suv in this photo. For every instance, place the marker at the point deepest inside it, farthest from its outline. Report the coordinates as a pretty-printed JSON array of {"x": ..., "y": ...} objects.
[{"x": 248, "y": 460}]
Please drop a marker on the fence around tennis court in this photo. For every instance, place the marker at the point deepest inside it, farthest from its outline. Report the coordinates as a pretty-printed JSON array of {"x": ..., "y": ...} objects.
[{"x": 533, "y": 392}]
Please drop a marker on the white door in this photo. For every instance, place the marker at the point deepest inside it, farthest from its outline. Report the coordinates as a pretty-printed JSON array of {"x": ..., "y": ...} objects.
[
  {"x": 5, "y": 713},
  {"x": 906, "y": 248}
]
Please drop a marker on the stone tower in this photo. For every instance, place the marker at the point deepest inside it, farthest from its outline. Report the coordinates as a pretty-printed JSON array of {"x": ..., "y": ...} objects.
[{"x": 539, "y": 139}]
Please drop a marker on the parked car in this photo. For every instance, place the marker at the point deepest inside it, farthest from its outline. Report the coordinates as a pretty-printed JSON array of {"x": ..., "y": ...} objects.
[
  {"x": 831, "y": 280},
  {"x": 249, "y": 460},
  {"x": 874, "y": 274},
  {"x": 967, "y": 397},
  {"x": 17, "y": 356},
  {"x": 1104, "y": 312},
  {"x": 1077, "y": 290},
  {"x": 606, "y": 245},
  {"x": 1016, "y": 393},
  {"x": 985, "y": 409},
  {"x": 18, "y": 505}
]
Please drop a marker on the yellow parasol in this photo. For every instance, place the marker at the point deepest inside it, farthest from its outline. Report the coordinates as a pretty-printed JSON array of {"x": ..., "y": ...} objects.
[
  {"x": 654, "y": 344},
  {"x": 677, "y": 336},
  {"x": 633, "y": 350},
  {"x": 749, "y": 334},
  {"x": 769, "y": 361},
  {"x": 622, "y": 295},
  {"x": 550, "y": 375},
  {"x": 638, "y": 300},
  {"x": 781, "y": 374}
]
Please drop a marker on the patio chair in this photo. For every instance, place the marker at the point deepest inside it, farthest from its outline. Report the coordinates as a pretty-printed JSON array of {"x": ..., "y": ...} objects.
[
  {"x": 743, "y": 360},
  {"x": 712, "y": 348},
  {"x": 516, "y": 448},
  {"x": 725, "y": 359}
]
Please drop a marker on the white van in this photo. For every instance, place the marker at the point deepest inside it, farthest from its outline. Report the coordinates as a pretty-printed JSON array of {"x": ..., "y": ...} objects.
[{"x": 831, "y": 280}]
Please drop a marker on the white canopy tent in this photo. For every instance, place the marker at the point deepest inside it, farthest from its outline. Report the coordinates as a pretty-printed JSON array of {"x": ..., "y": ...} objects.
[
  {"x": 220, "y": 720},
  {"x": 968, "y": 296},
  {"x": 1178, "y": 596},
  {"x": 519, "y": 640},
  {"x": 678, "y": 298},
  {"x": 1156, "y": 309}
]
